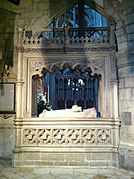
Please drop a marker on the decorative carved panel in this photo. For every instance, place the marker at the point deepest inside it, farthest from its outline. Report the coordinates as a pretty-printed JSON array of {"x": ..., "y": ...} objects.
[
  {"x": 67, "y": 136},
  {"x": 30, "y": 136}
]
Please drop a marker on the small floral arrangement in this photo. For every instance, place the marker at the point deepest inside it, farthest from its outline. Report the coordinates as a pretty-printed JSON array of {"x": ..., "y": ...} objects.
[
  {"x": 43, "y": 104},
  {"x": 48, "y": 106}
]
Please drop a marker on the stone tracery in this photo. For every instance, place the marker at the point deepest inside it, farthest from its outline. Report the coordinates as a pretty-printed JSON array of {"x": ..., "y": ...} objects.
[{"x": 67, "y": 137}]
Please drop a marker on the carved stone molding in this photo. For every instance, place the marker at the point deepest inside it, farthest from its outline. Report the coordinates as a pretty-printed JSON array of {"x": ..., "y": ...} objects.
[
  {"x": 62, "y": 50},
  {"x": 20, "y": 49}
]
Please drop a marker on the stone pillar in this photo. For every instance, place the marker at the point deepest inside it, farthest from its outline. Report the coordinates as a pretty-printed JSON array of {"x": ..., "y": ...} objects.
[
  {"x": 115, "y": 99},
  {"x": 19, "y": 99},
  {"x": 112, "y": 33},
  {"x": 19, "y": 102},
  {"x": 65, "y": 29}
]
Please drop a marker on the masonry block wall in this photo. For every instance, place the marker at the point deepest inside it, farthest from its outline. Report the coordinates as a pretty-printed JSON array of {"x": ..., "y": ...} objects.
[
  {"x": 7, "y": 136},
  {"x": 126, "y": 87}
]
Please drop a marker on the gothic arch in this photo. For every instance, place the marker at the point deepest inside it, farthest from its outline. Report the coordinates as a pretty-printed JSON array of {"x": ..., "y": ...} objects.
[
  {"x": 67, "y": 76},
  {"x": 42, "y": 23}
]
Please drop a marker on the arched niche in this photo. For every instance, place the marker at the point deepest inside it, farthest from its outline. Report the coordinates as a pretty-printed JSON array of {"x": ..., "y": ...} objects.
[{"x": 66, "y": 85}]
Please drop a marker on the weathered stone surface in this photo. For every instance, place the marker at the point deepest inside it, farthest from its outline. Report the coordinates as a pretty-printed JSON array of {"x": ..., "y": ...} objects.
[
  {"x": 126, "y": 159},
  {"x": 126, "y": 118},
  {"x": 7, "y": 137},
  {"x": 129, "y": 83},
  {"x": 121, "y": 83},
  {"x": 125, "y": 94}
]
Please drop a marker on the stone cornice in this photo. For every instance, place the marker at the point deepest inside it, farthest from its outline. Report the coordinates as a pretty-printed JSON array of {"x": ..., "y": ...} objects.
[{"x": 62, "y": 50}]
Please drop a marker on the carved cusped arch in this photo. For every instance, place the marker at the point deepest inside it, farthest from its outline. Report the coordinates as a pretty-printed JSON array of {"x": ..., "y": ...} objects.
[
  {"x": 66, "y": 84},
  {"x": 92, "y": 67}
]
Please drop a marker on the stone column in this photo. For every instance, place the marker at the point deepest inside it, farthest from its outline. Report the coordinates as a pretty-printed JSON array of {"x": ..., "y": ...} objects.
[
  {"x": 115, "y": 99},
  {"x": 19, "y": 102},
  {"x": 65, "y": 29},
  {"x": 112, "y": 33}
]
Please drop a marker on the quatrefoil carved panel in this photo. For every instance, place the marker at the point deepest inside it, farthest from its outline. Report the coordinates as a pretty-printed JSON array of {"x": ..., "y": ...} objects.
[
  {"x": 88, "y": 136},
  {"x": 30, "y": 136},
  {"x": 58, "y": 136},
  {"x": 104, "y": 136},
  {"x": 73, "y": 136},
  {"x": 66, "y": 136},
  {"x": 44, "y": 136}
]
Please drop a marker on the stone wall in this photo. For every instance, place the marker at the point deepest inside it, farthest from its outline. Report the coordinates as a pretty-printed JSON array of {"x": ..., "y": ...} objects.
[
  {"x": 7, "y": 19},
  {"x": 126, "y": 90},
  {"x": 123, "y": 14},
  {"x": 7, "y": 136}
]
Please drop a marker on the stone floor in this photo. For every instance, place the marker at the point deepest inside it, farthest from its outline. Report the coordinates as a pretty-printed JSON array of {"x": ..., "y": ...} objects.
[{"x": 9, "y": 172}]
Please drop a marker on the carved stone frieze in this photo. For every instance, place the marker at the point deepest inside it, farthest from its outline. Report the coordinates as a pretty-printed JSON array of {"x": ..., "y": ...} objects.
[
  {"x": 66, "y": 136},
  {"x": 43, "y": 50},
  {"x": 20, "y": 49}
]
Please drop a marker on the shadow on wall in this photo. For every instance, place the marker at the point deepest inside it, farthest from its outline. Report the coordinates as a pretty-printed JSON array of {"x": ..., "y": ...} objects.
[{"x": 7, "y": 38}]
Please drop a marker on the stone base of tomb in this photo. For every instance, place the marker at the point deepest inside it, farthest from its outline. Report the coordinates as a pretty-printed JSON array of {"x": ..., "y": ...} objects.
[
  {"x": 40, "y": 158},
  {"x": 65, "y": 141}
]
